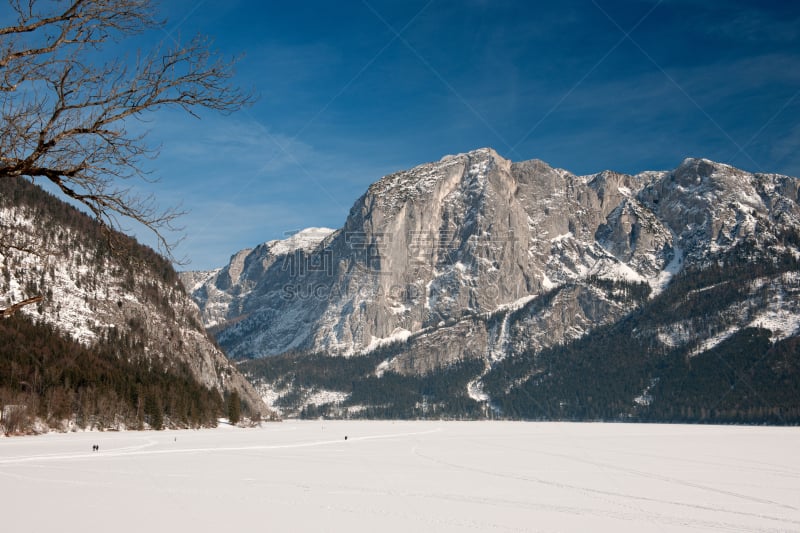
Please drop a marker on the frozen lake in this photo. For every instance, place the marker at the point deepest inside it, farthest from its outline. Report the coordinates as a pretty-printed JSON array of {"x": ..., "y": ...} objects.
[{"x": 406, "y": 476}]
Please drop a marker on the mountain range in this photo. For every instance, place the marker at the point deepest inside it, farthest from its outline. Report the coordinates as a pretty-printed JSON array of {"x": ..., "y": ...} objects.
[{"x": 476, "y": 286}]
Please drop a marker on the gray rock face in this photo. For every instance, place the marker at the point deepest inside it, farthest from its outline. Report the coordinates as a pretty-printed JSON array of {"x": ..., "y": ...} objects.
[{"x": 474, "y": 256}]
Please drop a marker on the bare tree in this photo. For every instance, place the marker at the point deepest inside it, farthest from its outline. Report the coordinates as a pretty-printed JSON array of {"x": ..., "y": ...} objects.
[
  {"x": 15, "y": 417},
  {"x": 66, "y": 111}
]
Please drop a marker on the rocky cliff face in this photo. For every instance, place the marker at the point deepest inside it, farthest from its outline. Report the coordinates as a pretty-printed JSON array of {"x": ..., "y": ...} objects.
[
  {"x": 48, "y": 248},
  {"x": 476, "y": 257}
]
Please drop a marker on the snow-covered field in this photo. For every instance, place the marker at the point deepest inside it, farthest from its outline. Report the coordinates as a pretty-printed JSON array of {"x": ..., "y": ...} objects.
[{"x": 406, "y": 476}]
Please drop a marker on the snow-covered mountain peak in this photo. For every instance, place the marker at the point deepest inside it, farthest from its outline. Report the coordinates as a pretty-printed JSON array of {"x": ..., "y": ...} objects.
[
  {"x": 437, "y": 178},
  {"x": 698, "y": 172},
  {"x": 478, "y": 153},
  {"x": 305, "y": 240},
  {"x": 702, "y": 165}
]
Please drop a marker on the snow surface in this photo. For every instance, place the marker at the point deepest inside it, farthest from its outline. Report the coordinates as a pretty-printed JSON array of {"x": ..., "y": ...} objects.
[
  {"x": 617, "y": 270},
  {"x": 476, "y": 392},
  {"x": 406, "y": 476},
  {"x": 516, "y": 305},
  {"x": 660, "y": 283},
  {"x": 323, "y": 396},
  {"x": 397, "y": 335}
]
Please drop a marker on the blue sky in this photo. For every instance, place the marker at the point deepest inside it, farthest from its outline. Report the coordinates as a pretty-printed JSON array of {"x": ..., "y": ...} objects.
[{"x": 350, "y": 91}]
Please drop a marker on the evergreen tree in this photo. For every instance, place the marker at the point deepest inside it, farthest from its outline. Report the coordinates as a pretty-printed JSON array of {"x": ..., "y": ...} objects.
[{"x": 234, "y": 408}]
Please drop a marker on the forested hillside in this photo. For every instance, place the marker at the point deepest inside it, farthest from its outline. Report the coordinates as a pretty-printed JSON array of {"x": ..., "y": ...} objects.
[
  {"x": 114, "y": 341},
  {"x": 360, "y": 393},
  {"x": 111, "y": 385}
]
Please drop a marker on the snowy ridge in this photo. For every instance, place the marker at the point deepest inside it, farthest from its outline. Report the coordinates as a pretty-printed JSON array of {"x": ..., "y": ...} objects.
[
  {"x": 217, "y": 291},
  {"x": 394, "y": 190},
  {"x": 305, "y": 240}
]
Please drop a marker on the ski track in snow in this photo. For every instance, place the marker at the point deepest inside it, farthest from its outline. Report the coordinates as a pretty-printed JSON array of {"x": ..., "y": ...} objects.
[{"x": 140, "y": 451}]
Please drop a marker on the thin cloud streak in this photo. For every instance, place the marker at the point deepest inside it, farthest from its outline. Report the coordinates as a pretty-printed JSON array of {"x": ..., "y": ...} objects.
[{"x": 367, "y": 88}]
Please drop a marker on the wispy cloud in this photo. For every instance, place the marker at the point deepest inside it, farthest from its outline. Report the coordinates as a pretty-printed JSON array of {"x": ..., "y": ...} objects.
[
  {"x": 242, "y": 184},
  {"x": 373, "y": 87}
]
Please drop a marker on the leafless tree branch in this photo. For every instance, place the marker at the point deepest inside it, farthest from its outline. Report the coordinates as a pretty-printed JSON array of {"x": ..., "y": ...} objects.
[
  {"x": 64, "y": 115},
  {"x": 9, "y": 311}
]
